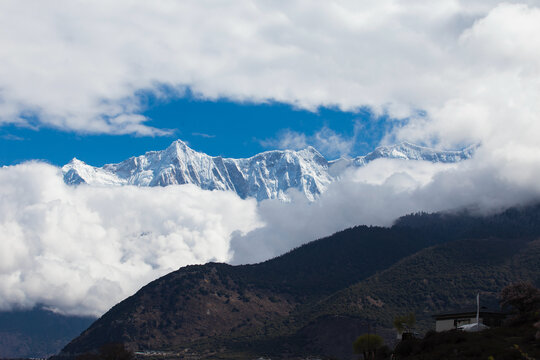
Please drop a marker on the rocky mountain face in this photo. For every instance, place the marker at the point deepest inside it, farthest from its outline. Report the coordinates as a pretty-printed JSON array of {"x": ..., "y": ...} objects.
[
  {"x": 267, "y": 175},
  {"x": 316, "y": 299}
]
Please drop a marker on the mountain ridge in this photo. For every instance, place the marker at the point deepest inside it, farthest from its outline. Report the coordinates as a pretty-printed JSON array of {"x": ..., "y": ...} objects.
[{"x": 267, "y": 175}]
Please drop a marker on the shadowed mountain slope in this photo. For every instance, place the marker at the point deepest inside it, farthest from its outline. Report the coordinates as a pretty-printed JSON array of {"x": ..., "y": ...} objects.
[
  {"x": 439, "y": 278},
  {"x": 37, "y": 332},
  {"x": 201, "y": 302},
  {"x": 443, "y": 277}
]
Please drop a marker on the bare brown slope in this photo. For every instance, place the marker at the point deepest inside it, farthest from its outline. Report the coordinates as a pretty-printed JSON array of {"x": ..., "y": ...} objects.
[{"x": 194, "y": 303}]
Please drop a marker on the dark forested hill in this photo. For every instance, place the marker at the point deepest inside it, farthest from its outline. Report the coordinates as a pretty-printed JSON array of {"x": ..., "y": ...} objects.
[
  {"x": 443, "y": 277},
  {"x": 423, "y": 263},
  {"x": 439, "y": 278}
]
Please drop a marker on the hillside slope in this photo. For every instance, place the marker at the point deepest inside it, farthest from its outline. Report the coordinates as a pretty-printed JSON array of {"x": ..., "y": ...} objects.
[
  {"x": 440, "y": 278},
  {"x": 197, "y": 303}
]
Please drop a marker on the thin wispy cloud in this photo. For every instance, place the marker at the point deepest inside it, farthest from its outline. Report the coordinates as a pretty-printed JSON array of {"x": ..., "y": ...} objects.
[
  {"x": 287, "y": 139},
  {"x": 11, "y": 137},
  {"x": 331, "y": 143},
  {"x": 203, "y": 135}
]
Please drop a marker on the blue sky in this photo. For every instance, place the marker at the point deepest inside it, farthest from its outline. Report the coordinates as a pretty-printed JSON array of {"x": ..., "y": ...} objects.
[{"x": 221, "y": 127}]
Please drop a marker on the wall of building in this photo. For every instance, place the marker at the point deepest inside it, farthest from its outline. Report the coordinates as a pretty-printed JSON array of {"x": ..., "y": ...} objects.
[
  {"x": 449, "y": 324},
  {"x": 444, "y": 325}
]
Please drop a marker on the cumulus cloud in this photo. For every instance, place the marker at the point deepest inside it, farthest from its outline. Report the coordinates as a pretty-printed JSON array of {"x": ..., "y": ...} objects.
[
  {"x": 79, "y": 65},
  {"x": 490, "y": 95},
  {"x": 79, "y": 250}
]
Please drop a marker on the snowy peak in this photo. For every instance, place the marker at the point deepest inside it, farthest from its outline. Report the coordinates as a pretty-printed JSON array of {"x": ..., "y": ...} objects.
[
  {"x": 268, "y": 175},
  {"x": 78, "y": 172},
  {"x": 408, "y": 151},
  {"x": 178, "y": 150}
]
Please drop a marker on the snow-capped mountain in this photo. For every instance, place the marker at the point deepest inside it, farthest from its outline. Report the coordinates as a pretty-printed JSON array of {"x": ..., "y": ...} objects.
[
  {"x": 267, "y": 175},
  {"x": 408, "y": 151}
]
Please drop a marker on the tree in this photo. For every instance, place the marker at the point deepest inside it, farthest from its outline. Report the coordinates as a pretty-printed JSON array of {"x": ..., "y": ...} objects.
[
  {"x": 367, "y": 345},
  {"x": 110, "y": 351},
  {"x": 523, "y": 296},
  {"x": 115, "y": 351},
  {"x": 404, "y": 323},
  {"x": 88, "y": 356}
]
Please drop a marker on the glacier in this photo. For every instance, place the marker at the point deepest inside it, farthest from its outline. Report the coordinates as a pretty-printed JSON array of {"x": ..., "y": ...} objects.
[{"x": 268, "y": 175}]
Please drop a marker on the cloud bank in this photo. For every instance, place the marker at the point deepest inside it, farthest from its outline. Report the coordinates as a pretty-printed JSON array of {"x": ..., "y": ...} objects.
[
  {"x": 382, "y": 191},
  {"x": 79, "y": 250}
]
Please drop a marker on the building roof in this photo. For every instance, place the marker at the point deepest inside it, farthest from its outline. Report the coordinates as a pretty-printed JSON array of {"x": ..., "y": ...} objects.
[{"x": 467, "y": 312}]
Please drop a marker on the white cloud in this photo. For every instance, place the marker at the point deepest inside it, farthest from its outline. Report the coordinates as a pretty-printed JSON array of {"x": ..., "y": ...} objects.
[
  {"x": 326, "y": 140},
  {"x": 287, "y": 139},
  {"x": 384, "y": 190},
  {"x": 332, "y": 143},
  {"x": 82, "y": 249},
  {"x": 78, "y": 65},
  {"x": 490, "y": 90},
  {"x": 203, "y": 135}
]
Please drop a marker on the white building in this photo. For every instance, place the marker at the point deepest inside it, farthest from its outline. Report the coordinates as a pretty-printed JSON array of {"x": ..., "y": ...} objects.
[{"x": 453, "y": 319}]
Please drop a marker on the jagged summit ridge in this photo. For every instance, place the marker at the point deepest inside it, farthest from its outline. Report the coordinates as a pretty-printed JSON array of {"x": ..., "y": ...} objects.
[
  {"x": 267, "y": 175},
  {"x": 408, "y": 151}
]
